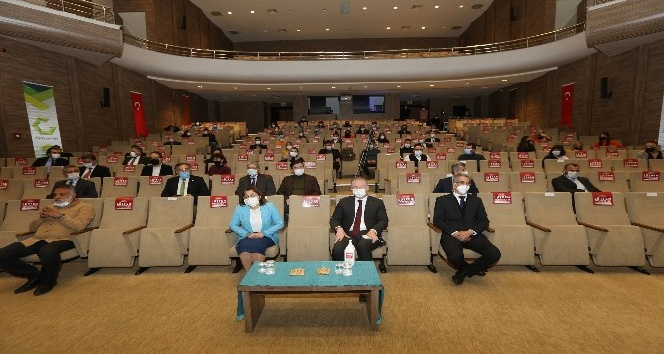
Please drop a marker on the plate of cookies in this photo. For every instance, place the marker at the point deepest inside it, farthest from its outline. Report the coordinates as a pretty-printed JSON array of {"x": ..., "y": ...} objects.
[{"x": 297, "y": 272}]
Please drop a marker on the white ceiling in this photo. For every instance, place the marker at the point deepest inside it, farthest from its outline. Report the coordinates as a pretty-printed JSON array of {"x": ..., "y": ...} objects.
[{"x": 313, "y": 17}]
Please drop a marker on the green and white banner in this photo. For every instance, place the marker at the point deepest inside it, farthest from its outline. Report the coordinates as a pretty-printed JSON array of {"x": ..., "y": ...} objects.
[{"x": 42, "y": 117}]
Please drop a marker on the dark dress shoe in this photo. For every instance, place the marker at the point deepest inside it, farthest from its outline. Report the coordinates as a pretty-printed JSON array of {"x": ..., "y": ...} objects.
[
  {"x": 43, "y": 289},
  {"x": 480, "y": 273},
  {"x": 31, "y": 284},
  {"x": 458, "y": 277}
]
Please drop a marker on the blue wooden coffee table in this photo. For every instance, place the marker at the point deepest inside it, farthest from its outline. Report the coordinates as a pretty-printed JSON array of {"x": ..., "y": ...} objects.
[{"x": 255, "y": 285}]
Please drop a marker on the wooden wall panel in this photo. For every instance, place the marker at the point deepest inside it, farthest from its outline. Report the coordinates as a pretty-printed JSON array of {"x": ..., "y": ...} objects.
[
  {"x": 203, "y": 30},
  {"x": 127, "y": 81},
  {"x": 517, "y": 27},
  {"x": 164, "y": 106},
  {"x": 164, "y": 24},
  {"x": 653, "y": 93},
  {"x": 179, "y": 34},
  {"x": 537, "y": 100},
  {"x": 193, "y": 27},
  {"x": 490, "y": 24},
  {"x": 479, "y": 29},
  {"x": 501, "y": 20},
  {"x": 251, "y": 112}
]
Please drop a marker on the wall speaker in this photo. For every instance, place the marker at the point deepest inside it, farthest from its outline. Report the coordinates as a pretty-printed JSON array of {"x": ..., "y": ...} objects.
[
  {"x": 604, "y": 88},
  {"x": 184, "y": 22},
  {"x": 106, "y": 97},
  {"x": 512, "y": 14}
]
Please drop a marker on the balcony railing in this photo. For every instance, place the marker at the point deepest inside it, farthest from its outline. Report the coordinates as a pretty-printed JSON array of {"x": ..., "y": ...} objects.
[
  {"x": 599, "y": 2},
  {"x": 79, "y": 8},
  {"x": 359, "y": 55}
]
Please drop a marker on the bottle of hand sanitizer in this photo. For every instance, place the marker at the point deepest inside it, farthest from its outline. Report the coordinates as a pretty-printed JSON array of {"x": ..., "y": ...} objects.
[{"x": 349, "y": 255}]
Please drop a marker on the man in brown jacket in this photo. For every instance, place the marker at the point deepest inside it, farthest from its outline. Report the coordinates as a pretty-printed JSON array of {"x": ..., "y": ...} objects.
[
  {"x": 51, "y": 231},
  {"x": 299, "y": 183}
]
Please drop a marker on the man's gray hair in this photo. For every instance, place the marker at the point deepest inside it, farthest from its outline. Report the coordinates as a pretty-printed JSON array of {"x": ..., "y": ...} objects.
[
  {"x": 359, "y": 178},
  {"x": 455, "y": 178},
  {"x": 455, "y": 167}
]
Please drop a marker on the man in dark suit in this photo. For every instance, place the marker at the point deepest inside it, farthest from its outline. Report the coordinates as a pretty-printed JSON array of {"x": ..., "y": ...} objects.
[
  {"x": 53, "y": 158},
  {"x": 445, "y": 184},
  {"x": 404, "y": 130},
  {"x": 570, "y": 181},
  {"x": 91, "y": 169},
  {"x": 462, "y": 218},
  {"x": 336, "y": 154},
  {"x": 156, "y": 167},
  {"x": 185, "y": 184},
  {"x": 469, "y": 153},
  {"x": 299, "y": 183},
  {"x": 136, "y": 157},
  {"x": 264, "y": 183},
  {"x": 406, "y": 149},
  {"x": 359, "y": 219},
  {"x": 417, "y": 155},
  {"x": 432, "y": 140},
  {"x": 258, "y": 145},
  {"x": 83, "y": 188}
]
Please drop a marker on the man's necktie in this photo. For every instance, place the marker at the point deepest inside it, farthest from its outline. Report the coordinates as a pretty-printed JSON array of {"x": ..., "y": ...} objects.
[
  {"x": 69, "y": 183},
  {"x": 462, "y": 203},
  {"x": 253, "y": 182},
  {"x": 49, "y": 162},
  {"x": 358, "y": 219},
  {"x": 87, "y": 173},
  {"x": 182, "y": 185},
  {"x": 131, "y": 162}
]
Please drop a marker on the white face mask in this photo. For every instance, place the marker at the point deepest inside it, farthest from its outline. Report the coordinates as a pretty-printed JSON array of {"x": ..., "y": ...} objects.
[
  {"x": 418, "y": 153},
  {"x": 87, "y": 164},
  {"x": 433, "y": 135},
  {"x": 555, "y": 152},
  {"x": 55, "y": 156},
  {"x": 63, "y": 203},
  {"x": 293, "y": 153},
  {"x": 462, "y": 189},
  {"x": 328, "y": 147},
  {"x": 467, "y": 151},
  {"x": 133, "y": 154},
  {"x": 252, "y": 172},
  {"x": 359, "y": 193},
  {"x": 406, "y": 145},
  {"x": 72, "y": 176},
  {"x": 298, "y": 171},
  {"x": 572, "y": 175},
  {"x": 251, "y": 201}
]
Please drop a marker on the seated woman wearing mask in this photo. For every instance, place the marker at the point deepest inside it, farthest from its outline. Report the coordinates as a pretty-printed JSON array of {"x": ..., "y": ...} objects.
[
  {"x": 557, "y": 152},
  {"x": 604, "y": 139},
  {"x": 256, "y": 222},
  {"x": 219, "y": 167},
  {"x": 526, "y": 145},
  {"x": 383, "y": 139}
]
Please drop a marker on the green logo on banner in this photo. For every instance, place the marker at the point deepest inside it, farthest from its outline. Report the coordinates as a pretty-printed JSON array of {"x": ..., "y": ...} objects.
[{"x": 41, "y": 131}]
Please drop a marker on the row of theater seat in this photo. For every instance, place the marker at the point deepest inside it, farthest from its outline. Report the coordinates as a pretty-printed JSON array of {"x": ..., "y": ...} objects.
[{"x": 614, "y": 229}]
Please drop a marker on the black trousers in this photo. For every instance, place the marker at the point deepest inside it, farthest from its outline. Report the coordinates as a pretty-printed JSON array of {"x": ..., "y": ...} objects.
[
  {"x": 48, "y": 253},
  {"x": 363, "y": 247},
  {"x": 453, "y": 248}
]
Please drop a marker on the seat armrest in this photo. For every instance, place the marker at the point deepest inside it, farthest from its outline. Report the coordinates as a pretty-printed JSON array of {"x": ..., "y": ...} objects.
[
  {"x": 490, "y": 229},
  {"x": 537, "y": 226},
  {"x": 83, "y": 231},
  {"x": 591, "y": 226},
  {"x": 133, "y": 230},
  {"x": 228, "y": 231},
  {"x": 434, "y": 227},
  {"x": 23, "y": 234},
  {"x": 649, "y": 227},
  {"x": 184, "y": 228}
]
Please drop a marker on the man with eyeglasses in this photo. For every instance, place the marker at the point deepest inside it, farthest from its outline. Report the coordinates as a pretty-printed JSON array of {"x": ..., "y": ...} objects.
[
  {"x": 185, "y": 184},
  {"x": 462, "y": 218}
]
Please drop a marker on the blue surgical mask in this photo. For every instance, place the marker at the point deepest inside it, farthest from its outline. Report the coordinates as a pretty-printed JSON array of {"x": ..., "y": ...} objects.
[
  {"x": 184, "y": 175},
  {"x": 468, "y": 151}
]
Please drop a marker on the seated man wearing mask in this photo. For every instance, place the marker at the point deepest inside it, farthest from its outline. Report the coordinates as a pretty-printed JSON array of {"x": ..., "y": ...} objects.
[
  {"x": 263, "y": 183},
  {"x": 90, "y": 168},
  {"x": 185, "y": 184},
  {"x": 299, "y": 183},
  {"x": 432, "y": 140},
  {"x": 53, "y": 158},
  {"x": 82, "y": 187},
  {"x": 156, "y": 167},
  {"x": 336, "y": 154},
  {"x": 52, "y": 230},
  {"x": 404, "y": 130},
  {"x": 650, "y": 151},
  {"x": 219, "y": 166},
  {"x": 136, "y": 157},
  {"x": 406, "y": 149},
  {"x": 365, "y": 233},
  {"x": 417, "y": 155},
  {"x": 462, "y": 219},
  {"x": 258, "y": 145},
  {"x": 293, "y": 155},
  {"x": 469, "y": 153},
  {"x": 570, "y": 181},
  {"x": 445, "y": 184}
]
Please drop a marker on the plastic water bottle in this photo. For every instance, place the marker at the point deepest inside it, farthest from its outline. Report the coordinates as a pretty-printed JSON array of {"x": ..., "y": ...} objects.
[{"x": 349, "y": 255}]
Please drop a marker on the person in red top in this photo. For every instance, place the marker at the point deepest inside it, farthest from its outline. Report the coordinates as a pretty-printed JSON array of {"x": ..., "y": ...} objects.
[
  {"x": 605, "y": 140},
  {"x": 219, "y": 167}
]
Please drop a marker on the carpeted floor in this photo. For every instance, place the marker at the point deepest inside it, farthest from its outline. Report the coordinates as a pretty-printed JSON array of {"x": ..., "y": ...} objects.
[{"x": 511, "y": 310}]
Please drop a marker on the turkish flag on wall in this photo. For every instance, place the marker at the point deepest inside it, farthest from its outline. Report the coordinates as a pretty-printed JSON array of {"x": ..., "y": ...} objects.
[
  {"x": 139, "y": 114},
  {"x": 186, "y": 116},
  {"x": 566, "y": 106}
]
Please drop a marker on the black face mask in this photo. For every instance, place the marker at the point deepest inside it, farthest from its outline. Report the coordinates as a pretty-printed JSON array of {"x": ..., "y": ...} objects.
[
  {"x": 602, "y": 138},
  {"x": 154, "y": 161},
  {"x": 650, "y": 149},
  {"x": 217, "y": 163}
]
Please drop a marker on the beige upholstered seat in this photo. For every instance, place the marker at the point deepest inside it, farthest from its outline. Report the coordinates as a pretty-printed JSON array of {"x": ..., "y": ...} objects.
[
  {"x": 608, "y": 181},
  {"x": 308, "y": 230},
  {"x": 646, "y": 181},
  {"x": 11, "y": 189},
  {"x": 644, "y": 211},
  {"x": 149, "y": 186},
  {"x": 224, "y": 184},
  {"x": 491, "y": 181},
  {"x": 407, "y": 238},
  {"x": 37, "y": 188},
  {"x": 415, "y": 183},
  {"x": 557, "y": 166},
  {"x": 27, "y": 172},
  {"x": 119, "y": 187},
  {"x": 165, "y": 240},
  {"x": 115, "y": 242},
  {"x": 612, "y": 239},
  {"x": 627, "y": 165},
  {"x": 16, "y": 221},
  {"x": 523, "y": 182},
  {"x": 5, "y": 172},
  {"x": 208, "y": 243},
  {"x": 494, "y": 165},
  {"x": 510, "y": 233},
  {"x": 527, "y": 165},
  {"x": 394, "y": 168},
  {"x": 559, "y": 240}
]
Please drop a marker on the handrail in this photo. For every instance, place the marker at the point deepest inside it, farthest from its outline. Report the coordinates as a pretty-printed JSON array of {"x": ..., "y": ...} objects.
[
  {"x": 81, "y": 8},
  {"x": 599, "y": 2},
  {"x": 527, "y": 42}
]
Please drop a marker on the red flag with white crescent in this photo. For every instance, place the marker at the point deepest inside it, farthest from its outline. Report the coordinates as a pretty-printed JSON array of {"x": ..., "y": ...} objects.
[
  {"x": 566, "y": 105},
  {"x": 139, "y": 114}
]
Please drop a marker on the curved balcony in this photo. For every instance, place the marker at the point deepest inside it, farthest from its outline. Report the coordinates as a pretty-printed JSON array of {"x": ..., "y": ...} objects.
[{"x": 82, "y": 8}]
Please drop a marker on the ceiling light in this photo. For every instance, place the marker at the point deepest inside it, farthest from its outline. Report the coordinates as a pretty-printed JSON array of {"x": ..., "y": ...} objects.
[
  {"x": 298, "y": 30},
  {"x": 432, "y": 85},
  {"x": 461, "y": 6},
  {"x": 437, "y": 6},
  {"x": 398, "y": 85},
  {"x": 252, "y": 11},
  {"x": 388, "y": 28},
  {"x": 327, "y": 29},
  {"x": 324, "y": 10},
  {"x": 504, "y": 80},
  {"x": 467, "y": 83},
  {"x": 424, "y": 27},
  {"x": 269, "y": 88},
  {"x": 200, "y": 86},
  {"x": 364, "y": 8},
  {"x": 396, "y": 7},
  {"x": 334, "y": 87},
  {"x": 365, "y": 86},
  {"x": 230, "y": 13},
  {"x": 234, "y": 87}
]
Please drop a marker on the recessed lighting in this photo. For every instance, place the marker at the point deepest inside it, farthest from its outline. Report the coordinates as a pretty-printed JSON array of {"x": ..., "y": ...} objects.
[
  {"x": 334, "y": 87},
  {"x": 504, "y": 80},
  {"x": 365, "y": 86},
  {"x": 230, "y": 13},
  {"x": 324, "y": 10},
  {"x": 467, "y": 83},
  {"x": 388, "y": 27},
  {"x": 424, "y": 27},
  {"x": 432, "y": 85},
  {"x": 253, "y": 12},
  {"x": 444, "y": 27},
  {"x": 327, "y": 29},
  {"x": 398, "y": 85},
  {"x": 461, "y": 6},
  {"x": 200, "y": 86},
  {"x": 269, "y": 88},
  {"x": 364, "y": 8},
  {"x": 297, "y": 30},
  {"x": 234, "y": 87},
  {"x": 396, "y": 7},
  {"x": 437, "y": 6}
]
